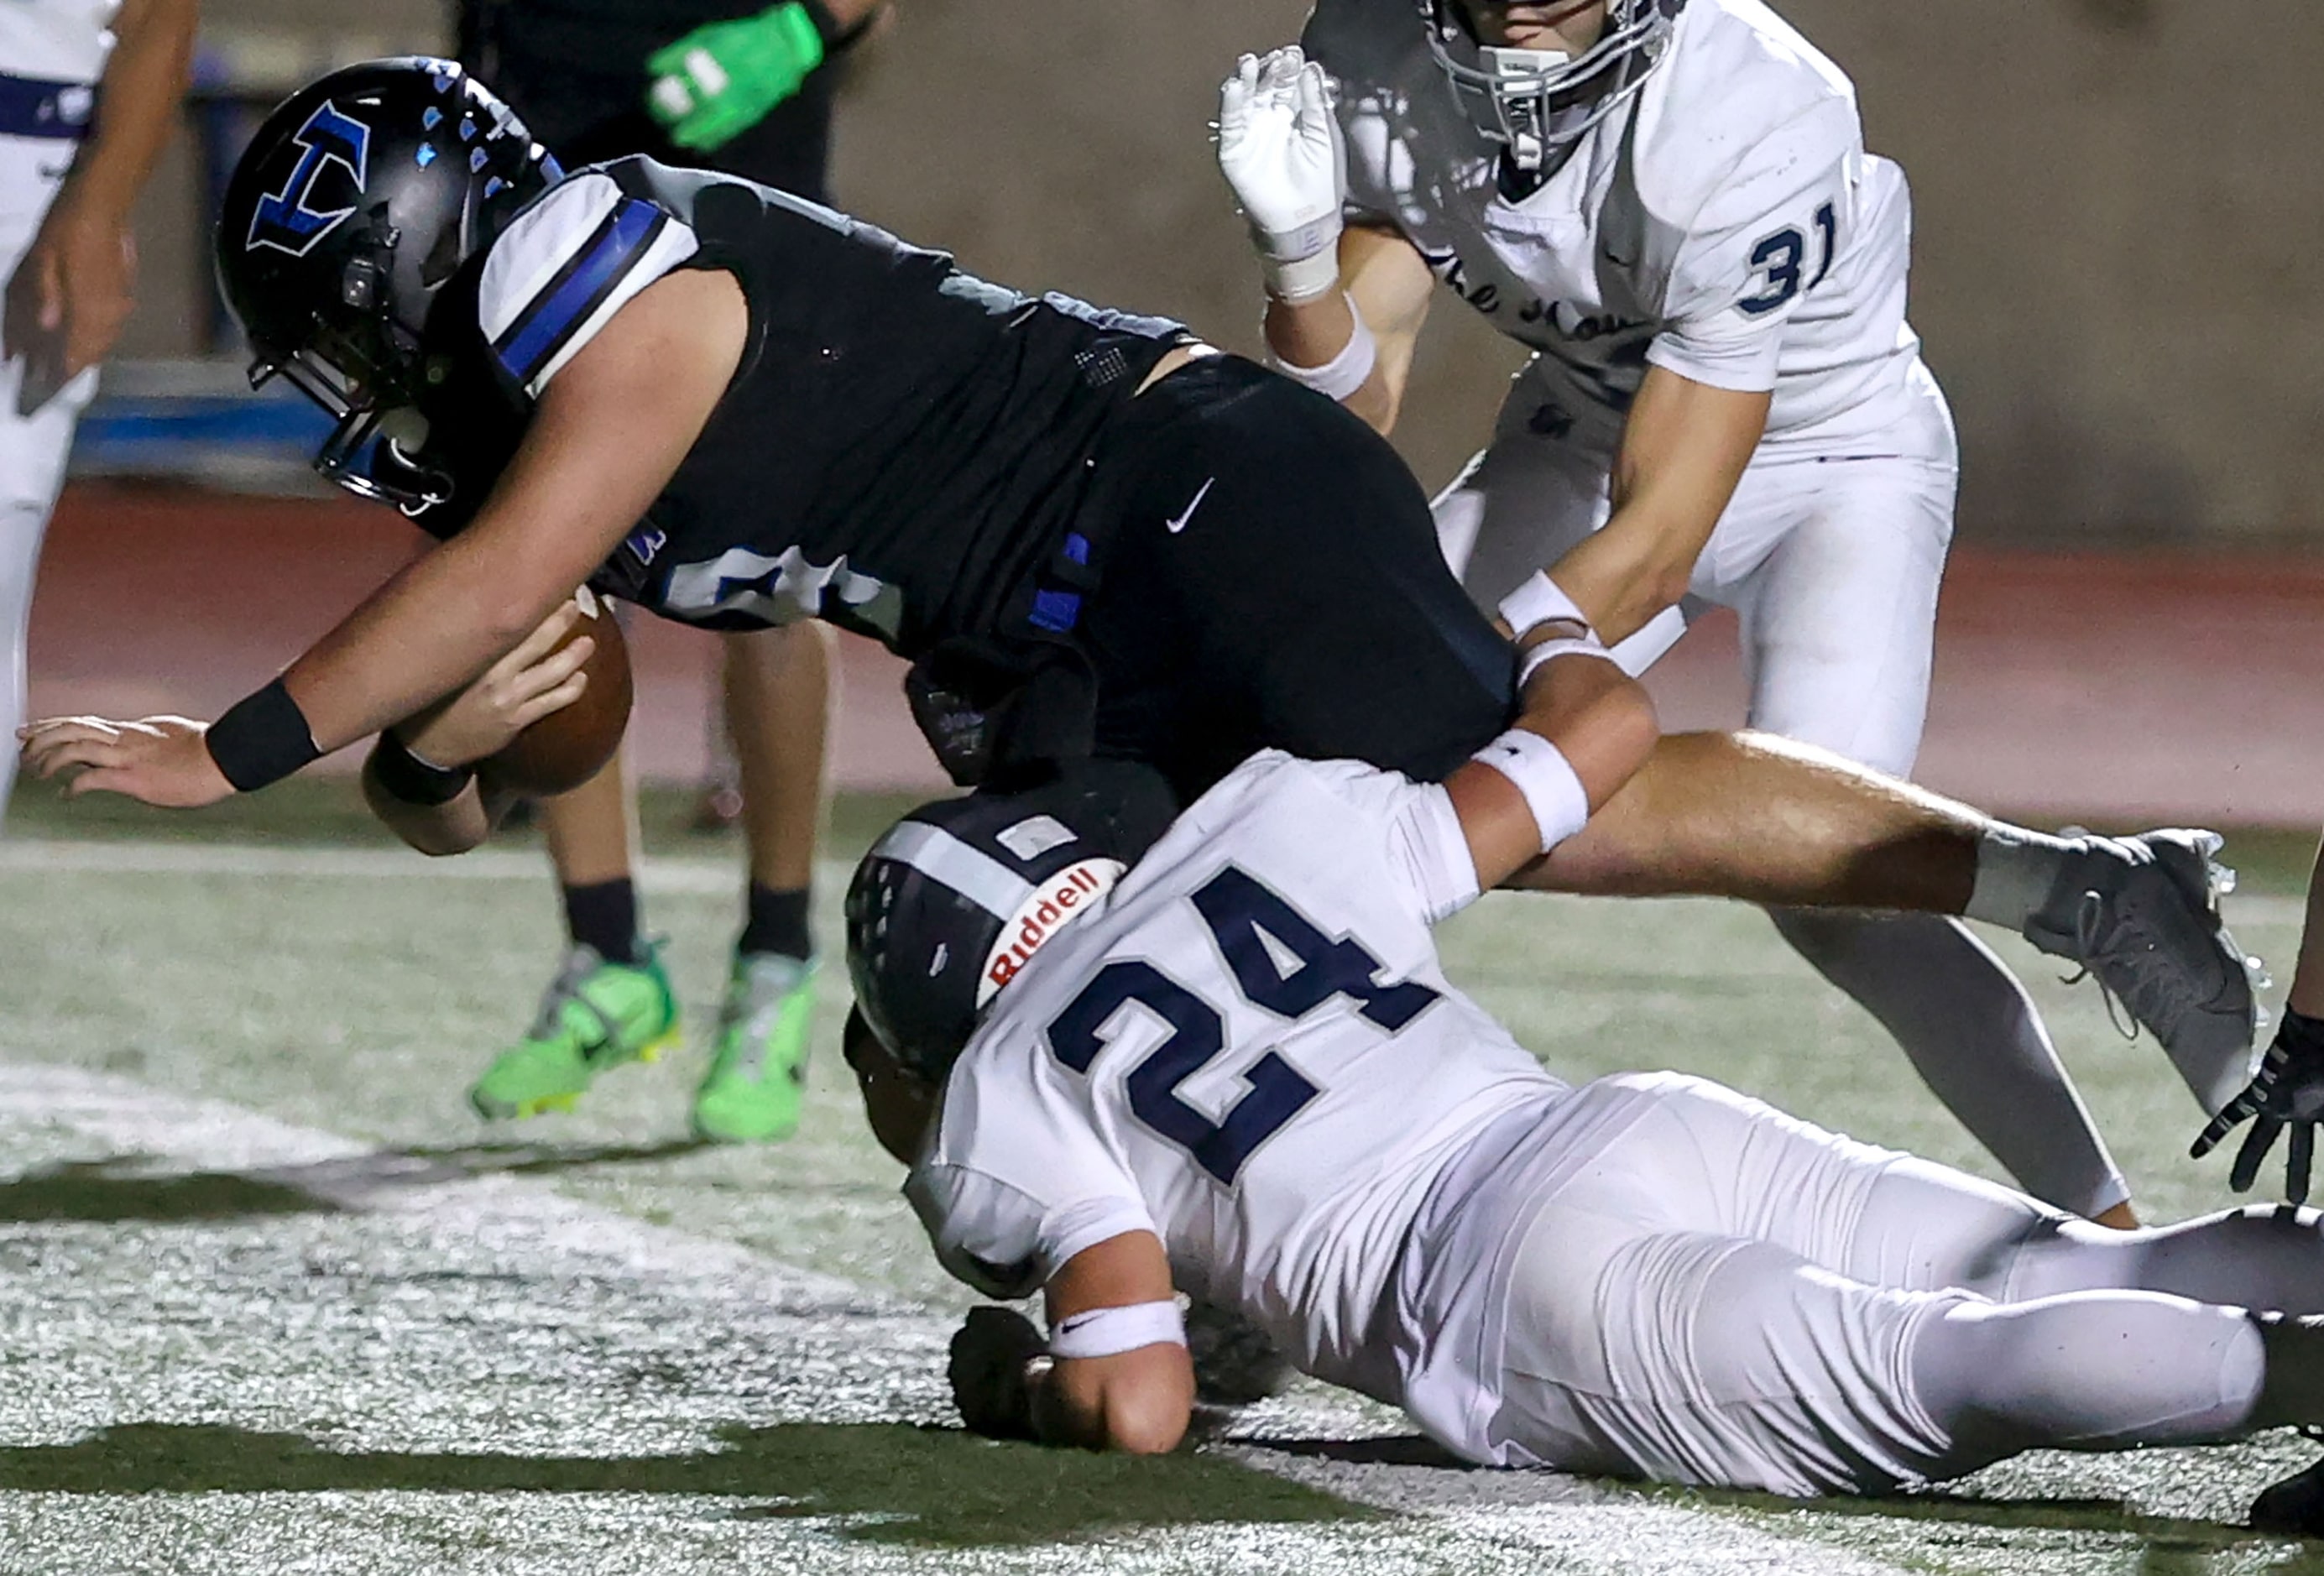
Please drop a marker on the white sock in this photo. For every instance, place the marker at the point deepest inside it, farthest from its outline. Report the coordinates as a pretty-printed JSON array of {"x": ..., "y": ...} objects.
[{"x": 2017, "y": 872}]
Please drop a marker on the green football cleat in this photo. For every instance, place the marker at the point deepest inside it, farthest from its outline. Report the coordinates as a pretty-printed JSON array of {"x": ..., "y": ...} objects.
[
  {"x": 757, "y": 1080},
  {"x": 595, "y": 1016}
]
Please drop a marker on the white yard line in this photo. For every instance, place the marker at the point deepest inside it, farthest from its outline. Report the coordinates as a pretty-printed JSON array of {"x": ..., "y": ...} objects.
[{"x": 1473, "y": 1521}]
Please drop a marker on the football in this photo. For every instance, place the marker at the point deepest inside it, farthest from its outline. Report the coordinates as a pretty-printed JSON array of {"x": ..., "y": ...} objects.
[{"x": 571, "y": 745}]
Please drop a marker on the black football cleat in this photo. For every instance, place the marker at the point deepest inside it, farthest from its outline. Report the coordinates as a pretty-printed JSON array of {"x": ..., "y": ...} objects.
[{"x": 2294, "y": 1505}]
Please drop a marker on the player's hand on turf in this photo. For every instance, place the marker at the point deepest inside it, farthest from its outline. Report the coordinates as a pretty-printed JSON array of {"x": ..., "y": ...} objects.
[
  {"x": 161, "y": 760},
  {"x": 2286, "y": 1095},
  {"x": 989, "y": 1382},
  {"x": 70, "y": 296},
  {"x": 1280, "y": 149},
  {"x": 531, "y": 681}
]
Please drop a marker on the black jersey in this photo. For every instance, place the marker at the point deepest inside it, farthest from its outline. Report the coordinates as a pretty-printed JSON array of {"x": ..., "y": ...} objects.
[{"x": 902, "y": 450}]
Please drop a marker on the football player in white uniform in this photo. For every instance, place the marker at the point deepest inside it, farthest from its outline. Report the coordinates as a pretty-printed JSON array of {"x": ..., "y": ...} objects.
[
  {"x": 1670, "y": 202},
  {"x": 1236, "y": 1071},
  {"x": 68, "y": 176}
]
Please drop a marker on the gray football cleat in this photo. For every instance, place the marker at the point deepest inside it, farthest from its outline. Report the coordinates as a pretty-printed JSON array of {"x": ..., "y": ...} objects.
[{"x": 2142, "y": 915}]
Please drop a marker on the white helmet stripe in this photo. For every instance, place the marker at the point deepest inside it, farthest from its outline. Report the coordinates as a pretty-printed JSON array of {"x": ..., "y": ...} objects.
[{"x": 975, "y": 875}]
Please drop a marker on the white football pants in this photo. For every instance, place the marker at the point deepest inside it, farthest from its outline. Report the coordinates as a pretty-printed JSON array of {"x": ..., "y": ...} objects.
[
  {"x": 32, "y": 446},
  {"x": 1719, "y": 1295},
  {"x": 1832, "y": 563}
]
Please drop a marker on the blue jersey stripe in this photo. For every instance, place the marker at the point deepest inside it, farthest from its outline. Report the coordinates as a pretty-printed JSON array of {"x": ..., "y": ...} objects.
[{"x": 579, "y": 291}]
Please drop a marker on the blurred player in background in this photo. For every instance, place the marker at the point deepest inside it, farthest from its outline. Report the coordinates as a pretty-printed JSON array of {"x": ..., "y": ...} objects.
[
  {"x": 89, "y": 95},
  {"x": 716, "y": 85},
  {"x": 1669, "y": 201},
  {"x": 1228, "y": 1062}
]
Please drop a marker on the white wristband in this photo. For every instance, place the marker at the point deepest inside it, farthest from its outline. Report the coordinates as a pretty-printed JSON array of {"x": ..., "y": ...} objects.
[
  {"x": 1345, "y": 372},
  {"x": 1104, "y": 1331},
  {"x": 1548, "y": 650},
  {"x": 1559, "y": 803},
  {"x": 1536, "y": 602},
  {"x": 1302, "y": 279}
]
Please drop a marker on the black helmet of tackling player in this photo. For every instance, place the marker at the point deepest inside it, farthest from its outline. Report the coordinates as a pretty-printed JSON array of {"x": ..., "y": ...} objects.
[
  {"x": 954, "y": 900},
  {"x": 1533, "y": 101},
  {"x": 356, "y": 199}
]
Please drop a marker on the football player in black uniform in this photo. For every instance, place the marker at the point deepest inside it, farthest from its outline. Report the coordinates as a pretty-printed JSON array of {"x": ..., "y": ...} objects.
[
  {"x": 745, "y": 88},
  {"x": 1091, "y": 533}
]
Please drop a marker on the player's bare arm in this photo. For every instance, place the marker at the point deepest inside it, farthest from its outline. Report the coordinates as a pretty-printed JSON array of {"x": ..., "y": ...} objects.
[
  {"x": 418, "y": 760},
  {"x": 1683, "y": 449},
  {"x": 71, "y": 295},
  {"x": 1387, "y": 289},
  {"x": 1011, "y": 1384},
  {"x": 1345, "y": 303},
  {"x": 1600, "y": 728},
  {"x": 607, "y": 435}
]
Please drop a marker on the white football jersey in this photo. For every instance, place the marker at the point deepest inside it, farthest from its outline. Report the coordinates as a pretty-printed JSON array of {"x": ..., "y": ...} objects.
[
  {"x": 1725, "y": 223},
  {"x": 1250, "y": 1051},
  {"x": 55, "y": 40}
]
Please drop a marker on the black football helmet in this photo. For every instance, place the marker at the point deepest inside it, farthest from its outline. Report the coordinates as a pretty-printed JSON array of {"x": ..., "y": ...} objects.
[
  {"x": 357, "y": 199},
  {"x": 950, "y": 904}
]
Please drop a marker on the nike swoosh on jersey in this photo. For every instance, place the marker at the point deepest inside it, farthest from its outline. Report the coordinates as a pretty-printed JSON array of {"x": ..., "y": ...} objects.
[{"x": 1179, "y": 524}]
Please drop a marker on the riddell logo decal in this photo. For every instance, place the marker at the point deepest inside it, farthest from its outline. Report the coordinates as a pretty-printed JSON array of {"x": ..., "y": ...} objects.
[{"x": 1045, "y": 913}]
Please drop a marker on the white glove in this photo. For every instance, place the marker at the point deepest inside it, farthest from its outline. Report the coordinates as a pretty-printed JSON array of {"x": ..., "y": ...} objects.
[{"x": 1280, "y": 149}]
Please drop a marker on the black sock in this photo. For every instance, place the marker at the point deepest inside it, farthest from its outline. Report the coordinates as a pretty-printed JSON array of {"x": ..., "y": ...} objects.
[
  {"x": 775, "y": 922},
  {"x": 605, "y": 916}
]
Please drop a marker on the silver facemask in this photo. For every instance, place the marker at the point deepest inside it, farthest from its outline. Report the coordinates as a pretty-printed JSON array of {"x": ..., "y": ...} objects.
[{"x": 1534, "y": 101}]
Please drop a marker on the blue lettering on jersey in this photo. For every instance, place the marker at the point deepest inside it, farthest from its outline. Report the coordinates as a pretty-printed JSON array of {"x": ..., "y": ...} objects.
[{"x": 287, "y": 220}]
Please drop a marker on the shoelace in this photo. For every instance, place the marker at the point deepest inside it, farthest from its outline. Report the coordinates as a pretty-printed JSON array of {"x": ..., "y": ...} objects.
[
  {"x": 2088, "y": 915},
  {"x": 757, "y": 1023},
  {"x": 567, "y": 989}
]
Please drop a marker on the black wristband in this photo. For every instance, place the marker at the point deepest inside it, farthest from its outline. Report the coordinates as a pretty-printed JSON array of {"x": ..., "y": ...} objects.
[
  {"x": 262, "y": 739},
  {"x": 404, "y": 776},
  {"x": 2298, "y": 1032}
]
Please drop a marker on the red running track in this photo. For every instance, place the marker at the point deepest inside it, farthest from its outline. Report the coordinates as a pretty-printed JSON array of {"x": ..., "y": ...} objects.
[{"x": 2145, "y": 687}]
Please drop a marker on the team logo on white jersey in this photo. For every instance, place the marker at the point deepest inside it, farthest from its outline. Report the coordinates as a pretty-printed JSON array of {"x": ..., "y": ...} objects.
[{"x": 1041, "y": 915}]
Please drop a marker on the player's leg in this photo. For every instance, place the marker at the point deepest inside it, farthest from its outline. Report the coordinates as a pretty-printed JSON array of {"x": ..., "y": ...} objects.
[
  {"x": 33, "y": 443},
  {"x": 2076, "y": 1336},
  {"x": 32, "y": 449},
  {"x": 611, "y": 1000},
  {"x": 1272, "y": 578},
  {"x": 778, "y": 704},
  {"x": 1726, "y": 1295},
  {"x": 1838, "y": 620}
]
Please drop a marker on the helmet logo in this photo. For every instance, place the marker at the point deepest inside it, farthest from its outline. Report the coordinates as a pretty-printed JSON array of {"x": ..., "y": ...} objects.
[
  {"x": 1041, "y": 915},
  {"x": 283, "y": 219}
]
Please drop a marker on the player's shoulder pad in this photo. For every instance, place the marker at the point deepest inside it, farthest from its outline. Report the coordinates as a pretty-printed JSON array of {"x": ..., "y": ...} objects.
[
  {"x": 1742, "y": 101},
  {"x": 565, "y": 265}
]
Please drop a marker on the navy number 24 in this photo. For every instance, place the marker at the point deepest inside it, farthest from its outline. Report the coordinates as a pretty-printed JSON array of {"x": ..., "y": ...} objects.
[{"x": 1236, "y": 907}]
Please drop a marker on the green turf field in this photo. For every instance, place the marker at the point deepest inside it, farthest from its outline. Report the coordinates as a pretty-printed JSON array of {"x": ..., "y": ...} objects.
[{"x": 271, "y": 1299}]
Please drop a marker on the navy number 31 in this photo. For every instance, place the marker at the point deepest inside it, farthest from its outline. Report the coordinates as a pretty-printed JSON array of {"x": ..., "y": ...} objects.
[{"x": 1780, "y": 255}]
